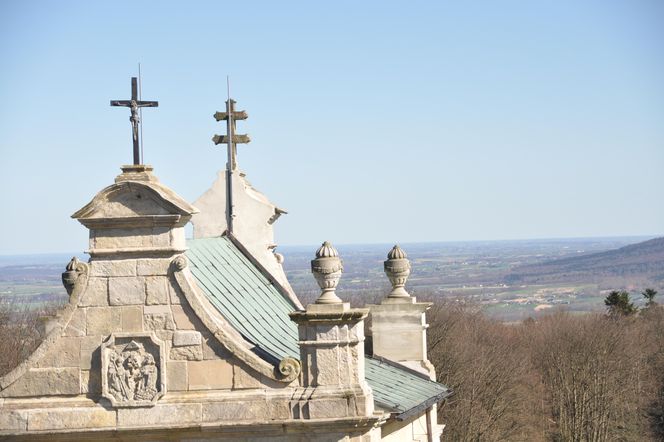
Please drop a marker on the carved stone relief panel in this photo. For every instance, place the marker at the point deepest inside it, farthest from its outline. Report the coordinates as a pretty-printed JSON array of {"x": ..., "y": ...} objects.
[{"x": 133, "y": 369}]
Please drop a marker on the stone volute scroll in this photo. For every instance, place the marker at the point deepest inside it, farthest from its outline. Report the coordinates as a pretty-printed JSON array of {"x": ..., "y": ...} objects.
[
  {"x": 133, "y": 369},
  {"x": 397, "y": 269},
  {"x": 288, "y": 368},
  {"x": 327, "y": 268}
]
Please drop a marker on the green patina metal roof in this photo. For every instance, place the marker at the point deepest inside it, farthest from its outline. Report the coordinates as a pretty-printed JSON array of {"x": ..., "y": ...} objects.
[{"x": 259, "y": 311}]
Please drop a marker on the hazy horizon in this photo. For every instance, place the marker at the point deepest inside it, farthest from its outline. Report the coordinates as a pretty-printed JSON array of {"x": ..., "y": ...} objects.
[{"x": 313, "y": 247}]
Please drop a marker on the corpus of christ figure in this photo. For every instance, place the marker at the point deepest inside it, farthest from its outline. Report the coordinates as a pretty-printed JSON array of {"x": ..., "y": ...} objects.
[{"x": 134, "y": 104}]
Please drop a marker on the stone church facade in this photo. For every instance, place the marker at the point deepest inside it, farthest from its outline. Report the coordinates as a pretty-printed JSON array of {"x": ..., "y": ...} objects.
[{"x": 165, "y": 338}]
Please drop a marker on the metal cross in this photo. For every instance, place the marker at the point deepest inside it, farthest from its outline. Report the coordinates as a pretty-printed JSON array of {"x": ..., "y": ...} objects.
[
  {"x": 231, "y": 139},
  {"x": 134, "y": 104}
]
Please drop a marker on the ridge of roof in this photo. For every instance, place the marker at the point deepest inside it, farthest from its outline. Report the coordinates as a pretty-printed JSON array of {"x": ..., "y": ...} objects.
[{"x": 237, "y": 243}]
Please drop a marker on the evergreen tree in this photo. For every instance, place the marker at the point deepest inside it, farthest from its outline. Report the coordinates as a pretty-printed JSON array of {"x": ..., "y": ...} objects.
[
  {"x": 649, "y": 294},
  {"x": 619, "y": 303}
]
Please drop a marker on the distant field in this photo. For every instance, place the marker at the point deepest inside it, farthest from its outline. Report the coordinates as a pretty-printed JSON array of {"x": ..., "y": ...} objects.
[
  {"x": 477, "y": 272},
  {"x": 458, "y": 271}
]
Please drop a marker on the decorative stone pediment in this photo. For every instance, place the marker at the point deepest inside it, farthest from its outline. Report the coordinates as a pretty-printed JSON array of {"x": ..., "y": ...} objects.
[
  {"x": 133, "y": 369},
  {"x": 136, "y": 215},
  {"x": 135, "y": 199}
]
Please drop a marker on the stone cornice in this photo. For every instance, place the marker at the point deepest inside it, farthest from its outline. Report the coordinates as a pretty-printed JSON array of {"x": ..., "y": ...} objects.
[
  {"x": 153, "y": 252},
  {"x": 351, "y": 315},
  {"x": 131, "y": 221}
]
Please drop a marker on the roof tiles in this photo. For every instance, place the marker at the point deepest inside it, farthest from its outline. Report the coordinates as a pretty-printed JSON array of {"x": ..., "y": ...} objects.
[{"x": 259, "y": 311}]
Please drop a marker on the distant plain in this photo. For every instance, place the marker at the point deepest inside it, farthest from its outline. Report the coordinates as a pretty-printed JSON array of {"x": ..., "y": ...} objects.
[{"x": 511, "y": 280}]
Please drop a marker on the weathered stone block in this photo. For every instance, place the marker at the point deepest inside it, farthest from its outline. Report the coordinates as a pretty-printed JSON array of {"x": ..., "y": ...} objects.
[
  {"x": 160, "y": 414},
  {"x": 103, "y": 321},
  {"x": 346, "y": 365},
  {"x": 328, "y": 333},
  {"x": 132, "y": 318},
  {"x": 126, "y": 291},
  {"x": 234, "y": 411},
  {"x": 45, "y": 382},
  {"x": 157, "y": 290},
  {"x": 187, "y": 353},
  {"x": 327, "y": 366},
  {"x": 70, "y": 419},
  {"x": 160, "y": 237},
  {"x": 158, "y": 317},
  {"x": 187, "y": 337},
  {"x": 77, "y": 325},
  {"x": 245, "y": 379},
  {"x": 212, "y": 348},
  {"x": 90, "y": 382},
  {"x": 90, "y": 353},
  {"x": 119, "y": 239},
  {"x": 152, "y": 267},
  {"x": 210, "y": 375},
  {"x": 176, "y": 375},
  {"x": 115, "y": 267},
  {"x": 96, "y": 293},
  {"x": 65, "y": 352},
  {"x": 176, "y": 295},
  {"x": 278, "y": 410},
  {"x": 165, "y": 335},
  {"x": 328, "y": 408},
  {"x": 181, "y": 317},
  {"x": 13, "y": 420}
]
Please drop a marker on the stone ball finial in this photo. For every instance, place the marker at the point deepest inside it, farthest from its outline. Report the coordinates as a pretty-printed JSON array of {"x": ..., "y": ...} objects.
[
  {"x": 397, "y": 269},
  {"x": 327, "y": 268}
]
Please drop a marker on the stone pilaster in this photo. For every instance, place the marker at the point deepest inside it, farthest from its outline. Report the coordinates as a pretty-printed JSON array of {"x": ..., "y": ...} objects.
[
  {"x": 331, "y": 339},
  {"x": 398, "y": 323}
]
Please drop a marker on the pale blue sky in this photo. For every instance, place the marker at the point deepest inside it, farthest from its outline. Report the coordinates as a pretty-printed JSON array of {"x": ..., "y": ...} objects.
[{"x": 370, "y": 121}]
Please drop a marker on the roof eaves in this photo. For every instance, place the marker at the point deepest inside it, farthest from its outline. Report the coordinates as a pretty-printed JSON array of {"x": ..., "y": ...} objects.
[
  {"x": 424, "y": 405},
  {"x": 435, "y": 399}
]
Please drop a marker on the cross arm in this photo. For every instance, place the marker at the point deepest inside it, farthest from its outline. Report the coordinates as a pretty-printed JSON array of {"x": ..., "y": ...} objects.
[
  {"x": 147, "y": 103},
  {"x": 237, "y": 115},
  {"x": 237, "y": 139},
  {"x": 125, "y": 103}
]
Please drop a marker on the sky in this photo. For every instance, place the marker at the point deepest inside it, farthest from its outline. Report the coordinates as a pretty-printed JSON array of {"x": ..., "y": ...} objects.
[{"x": 371, "y": 122}]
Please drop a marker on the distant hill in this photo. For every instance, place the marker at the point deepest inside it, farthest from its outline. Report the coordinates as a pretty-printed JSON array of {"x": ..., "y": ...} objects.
[{"x": 636, "y": 264}]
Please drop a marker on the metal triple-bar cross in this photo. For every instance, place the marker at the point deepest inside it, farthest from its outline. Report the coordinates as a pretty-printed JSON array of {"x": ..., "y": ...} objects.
[{"x": 134, "y": 104}]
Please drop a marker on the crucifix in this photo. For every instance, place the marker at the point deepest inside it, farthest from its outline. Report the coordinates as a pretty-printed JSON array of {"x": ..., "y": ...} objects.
[
  {"x": 231, "y": 139},
  {"x": 134, "y": 104}
]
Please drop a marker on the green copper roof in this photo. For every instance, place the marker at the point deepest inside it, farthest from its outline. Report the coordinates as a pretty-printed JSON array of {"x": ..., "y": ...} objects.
[{"x": 259, "y": 311}]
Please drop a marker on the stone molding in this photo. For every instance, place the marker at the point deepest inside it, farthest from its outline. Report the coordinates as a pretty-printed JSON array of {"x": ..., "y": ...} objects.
[
  {"x": 133, "y": 369},
  {"x": 178, "y": 209},
  {"x": 288, "y": 369},
  {"x": 350, "y": 315}
]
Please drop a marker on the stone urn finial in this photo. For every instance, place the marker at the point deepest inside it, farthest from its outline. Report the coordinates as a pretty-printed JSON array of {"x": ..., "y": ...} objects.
[
  {"x": 397, "y": 269},
  {"x": 327, "y": 268},
  {"x": 71, "y": 274}
]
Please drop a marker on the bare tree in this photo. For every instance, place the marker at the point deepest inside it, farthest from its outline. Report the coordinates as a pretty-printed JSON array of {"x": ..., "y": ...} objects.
[
  {"x": 20, "y": 332},
  {"x": 591, "y": 368},
  {"x": 482, "y": 361}
]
